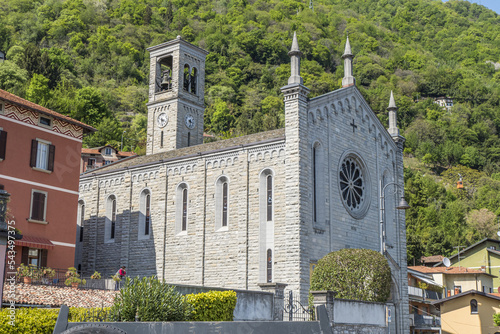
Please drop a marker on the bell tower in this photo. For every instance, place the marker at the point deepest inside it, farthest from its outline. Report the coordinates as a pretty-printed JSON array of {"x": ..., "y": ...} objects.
[{"x": 176, "y": 103}]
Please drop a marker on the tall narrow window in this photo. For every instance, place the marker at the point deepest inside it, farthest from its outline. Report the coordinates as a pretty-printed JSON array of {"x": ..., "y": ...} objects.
[
  {"x": 224, "y": 204},
  {"x": 314, "y": 183},
  {"x": 187, "y": 77},
  {"x": 148, "y": 214},
  {"x": 38, "y": 205},
  {"x": 113, "y": 218},
  {"x": 189, "y": 139},
  {"x": 184, "y": 208},
  {"x": 161, "y": 139},
  {"x": 3, "y": 144},
  {"x": 269, "y": 265},
  {"x": 473, "y": 306},
  {"x": 194, "y": 75},
  {"x": 82, "y": 218},
  {"x": 269, "y": 198}
]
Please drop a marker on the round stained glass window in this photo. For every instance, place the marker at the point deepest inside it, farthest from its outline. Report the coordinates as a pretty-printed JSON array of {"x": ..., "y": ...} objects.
[{"x": 354, "y": 185}]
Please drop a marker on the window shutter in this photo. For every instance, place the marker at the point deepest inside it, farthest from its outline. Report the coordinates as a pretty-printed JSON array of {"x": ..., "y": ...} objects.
[
  {"x": 24, "y": 255},
  {"x": 43, "y": 258},
  {"x": 34, "y": 151},
  {"x": 38, "y": 206},
  {"x": 3, "y": 144},
  {"x": 52, "y": 151}
]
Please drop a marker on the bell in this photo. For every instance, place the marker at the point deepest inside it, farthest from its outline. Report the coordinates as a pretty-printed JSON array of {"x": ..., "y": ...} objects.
[{"x": 165, "y": 83}]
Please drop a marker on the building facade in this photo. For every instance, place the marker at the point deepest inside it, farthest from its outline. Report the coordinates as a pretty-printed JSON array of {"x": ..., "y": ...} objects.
[
  {"x": 39, "y": 161},
  {"x": 97, "y": 157},
  {"x": 254, "y": 210}
]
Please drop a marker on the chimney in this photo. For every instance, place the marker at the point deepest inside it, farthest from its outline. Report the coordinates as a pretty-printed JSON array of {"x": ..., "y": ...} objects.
[{"x": 483, "y": 269}]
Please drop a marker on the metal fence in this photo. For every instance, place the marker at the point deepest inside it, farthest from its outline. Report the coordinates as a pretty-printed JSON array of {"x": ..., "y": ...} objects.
[{"x": 294, "y": 310}]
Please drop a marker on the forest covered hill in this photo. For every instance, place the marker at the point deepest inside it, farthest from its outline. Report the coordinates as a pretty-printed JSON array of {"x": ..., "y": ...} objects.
[{"x": 87, "y": 59}]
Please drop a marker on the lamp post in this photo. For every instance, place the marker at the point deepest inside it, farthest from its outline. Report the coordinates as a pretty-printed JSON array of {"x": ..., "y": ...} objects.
[{"x": 403, "y": 205}]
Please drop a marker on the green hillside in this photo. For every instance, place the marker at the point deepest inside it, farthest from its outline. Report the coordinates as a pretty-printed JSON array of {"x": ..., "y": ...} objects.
[{"x": 87, "y": 59}]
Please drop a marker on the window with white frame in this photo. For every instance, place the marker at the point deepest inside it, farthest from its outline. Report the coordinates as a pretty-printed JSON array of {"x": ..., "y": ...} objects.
[
  {"x": 45, "y": 121},
  {"x": 181, "y": 212},
  {"x": 42, "y": 155},
  {"x": 38, "y": 205},
  {"x": 108, "y": 151},
  {"x": 110, "y": 220},
  {"x": 144, "y": 214},
  {"x": 221, "y": 202}
]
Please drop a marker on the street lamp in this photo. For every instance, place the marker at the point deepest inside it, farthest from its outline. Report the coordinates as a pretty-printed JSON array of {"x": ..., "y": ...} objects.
[{"x": 403, "y": 205}]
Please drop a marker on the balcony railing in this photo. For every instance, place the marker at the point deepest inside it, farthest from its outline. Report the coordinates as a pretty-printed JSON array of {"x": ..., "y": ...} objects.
[
  {"x": 424, "y": 294},
  {"x": 424, "y": 321}
]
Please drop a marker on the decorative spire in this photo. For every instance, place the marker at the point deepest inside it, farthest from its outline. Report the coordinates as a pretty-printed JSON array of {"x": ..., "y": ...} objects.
[
  {"x": 348, "y": 79},
  {"x": 393, "y": 125},
  {"x": 295, "y": 55}
]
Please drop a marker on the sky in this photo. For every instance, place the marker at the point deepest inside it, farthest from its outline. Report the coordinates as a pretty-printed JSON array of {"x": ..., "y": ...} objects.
[{"x": 491, "y": 4}]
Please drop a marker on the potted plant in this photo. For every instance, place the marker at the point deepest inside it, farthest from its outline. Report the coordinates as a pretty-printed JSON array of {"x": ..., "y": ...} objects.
[
  {"x": 47, "y": 274},
  {"x": 73, "y": 278},
  {"x": 28, "y": 273},
  {"x": 95, "y": 275}
]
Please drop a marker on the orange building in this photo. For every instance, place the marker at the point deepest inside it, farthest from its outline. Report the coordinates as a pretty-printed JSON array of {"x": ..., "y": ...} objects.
[{"x": 40, "y": 168}]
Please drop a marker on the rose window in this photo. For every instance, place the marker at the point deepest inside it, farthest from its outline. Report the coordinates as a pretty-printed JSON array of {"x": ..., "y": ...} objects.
[{"x": 354, "y": 185}]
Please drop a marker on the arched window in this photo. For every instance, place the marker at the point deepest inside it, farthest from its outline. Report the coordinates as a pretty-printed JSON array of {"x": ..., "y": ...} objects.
[
  {"x": 269, "y": 266},
  {"x": 110, "y": 222},
  {"x": 81, "y": 219},
  {"x": 221, "y": 202},
  {"x": 163, "y": 80},
  {"x": 318, "y": 192},
  {"x": 144, "y": 214},
  {"x": 267, "y": 183},
  {"x": 473, "y": 306},
  {"x": 187, "y": 77},
  {"x": 182, "y": 200},
  {"x": 269, "y": 189},
  {"x": 194, "y": 79}
]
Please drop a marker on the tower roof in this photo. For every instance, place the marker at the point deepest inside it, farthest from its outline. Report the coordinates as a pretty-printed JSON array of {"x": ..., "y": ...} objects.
[
  {"x": 295, "y": 44},
  {"x": 347, "y": 51},
  {"x": 392, "y": 103}
]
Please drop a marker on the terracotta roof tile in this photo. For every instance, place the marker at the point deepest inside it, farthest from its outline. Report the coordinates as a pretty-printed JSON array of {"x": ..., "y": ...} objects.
[
  {"x": 449, "y": 270},
  {"x": 90, "y": 151},
  {"x": 432, "y": 259},
  {"x": 14, "y": 99},
  {"x": 126, "y": 154}
]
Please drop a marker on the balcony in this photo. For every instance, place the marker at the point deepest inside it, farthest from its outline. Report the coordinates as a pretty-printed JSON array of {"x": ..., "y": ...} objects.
[
  {"x": 423, "y": 294},
  {"x": 424, "y": 321}
]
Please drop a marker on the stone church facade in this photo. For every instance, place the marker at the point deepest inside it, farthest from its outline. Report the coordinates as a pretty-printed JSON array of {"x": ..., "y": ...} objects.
[{"x": 256, "y": 209}]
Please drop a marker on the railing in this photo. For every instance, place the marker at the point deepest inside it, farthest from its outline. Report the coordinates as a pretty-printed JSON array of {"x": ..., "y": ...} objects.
[
  {"x": 424, "y": 294},
  {"x": 36, "y": 276},
  {"x": 419, "y": 320}
]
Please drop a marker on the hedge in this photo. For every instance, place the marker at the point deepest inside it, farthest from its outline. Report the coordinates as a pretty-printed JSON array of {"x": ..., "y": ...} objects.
[
  {"x": 358, "y": 274},
  {"x": 212, "y": 305},
  {"x": 36, "y": 320}
]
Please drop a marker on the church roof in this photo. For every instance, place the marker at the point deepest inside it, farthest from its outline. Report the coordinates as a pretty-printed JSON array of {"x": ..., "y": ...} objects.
[{"x": 196, "y": 150}]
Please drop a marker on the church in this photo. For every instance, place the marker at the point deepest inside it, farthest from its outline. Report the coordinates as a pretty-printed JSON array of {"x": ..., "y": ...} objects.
[{"x": 253, "y": 210}]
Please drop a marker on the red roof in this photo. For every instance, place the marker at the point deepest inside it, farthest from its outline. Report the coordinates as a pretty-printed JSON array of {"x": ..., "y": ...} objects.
[
  {"x": 449, "y": 270},
  {"x": 14, "y": 99},
  {"x": 90, "y": 151},
  {"x": 432, "y": 259},
  {"x": 126, "y": 154}
]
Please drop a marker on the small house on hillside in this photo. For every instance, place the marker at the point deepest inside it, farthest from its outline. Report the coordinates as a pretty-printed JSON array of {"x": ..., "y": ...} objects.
[
  {"x": 96, "y": 157},
  {"x": 430, "y": 261},
  {"x": 444, "y": 102},
  {"x": 484, "y": 255}
]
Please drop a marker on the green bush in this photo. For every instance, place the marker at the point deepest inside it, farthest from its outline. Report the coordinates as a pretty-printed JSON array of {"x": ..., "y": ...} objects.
[
  {"x": 358, "y": 274},
  {"x": 151, "y": 300},
  {"x": 212, "y": 305},
  {"x": 39, "y": 320}
]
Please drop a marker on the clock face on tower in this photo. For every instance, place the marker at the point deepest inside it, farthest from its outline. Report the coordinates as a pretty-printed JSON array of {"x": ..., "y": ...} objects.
[
  {"x": 190, "y": 122},
  {"x": 162, "y": 120}
]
